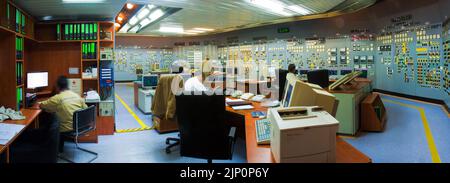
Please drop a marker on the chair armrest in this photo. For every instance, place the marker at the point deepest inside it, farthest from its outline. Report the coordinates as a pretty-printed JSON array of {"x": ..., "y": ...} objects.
[{"x": 232, "y": 133}]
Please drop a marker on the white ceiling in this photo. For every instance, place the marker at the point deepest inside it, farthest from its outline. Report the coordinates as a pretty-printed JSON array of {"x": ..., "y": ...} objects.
[{"x": 220, "y": 15}]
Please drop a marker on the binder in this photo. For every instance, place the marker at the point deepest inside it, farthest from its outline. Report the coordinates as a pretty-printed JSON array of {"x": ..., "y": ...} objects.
[
  {"x": 95, "y": 31},
  {"x": 23, "y": 24},
  {"x": 17, "y": 20},
  {"x": 66, "y": 32},
  {"x": 58, "y": 31},
  {"x": 86, "y": 32},
  {"x": 75, "y": 32},
  {"x": 82, "y": 32},
  {"x": 70, "y": 31},
  {"x": 78, "y": 31},
  {"x": 94, "y": 52},
  {"x": 91, "y": 30}
]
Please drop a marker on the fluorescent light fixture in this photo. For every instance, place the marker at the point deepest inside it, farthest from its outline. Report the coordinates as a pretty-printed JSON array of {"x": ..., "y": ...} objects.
[
  {"x": 274, "y": 6},
  {"x": 203, "y": 29},
  {"x": 190, "y": 33},
  {"x": 195, "y": 31},
  {"x": 83, "y": 1},
  {"x": 156, "y": 14},
  {"x": 117, "y": 24},
  {"x": 171, "y": 29},
  {"x": 144, "y": 22},
  {"x": 133, "y": 20},
  {"x": 134, "y": 29},
  {"x": 150, "y": 6},
  {"x": 125, "y": 28},
  {"x": 144, "y": 12},
  {"x": 299, "y": 9},
  {"x": 119, "y": 18}
]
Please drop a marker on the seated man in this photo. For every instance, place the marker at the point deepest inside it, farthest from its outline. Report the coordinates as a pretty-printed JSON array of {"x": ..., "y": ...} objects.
[
  {"x": 195, "y": 84},
  {"x": 291, "y": 75},
  {"x": 64, "y": 104}
]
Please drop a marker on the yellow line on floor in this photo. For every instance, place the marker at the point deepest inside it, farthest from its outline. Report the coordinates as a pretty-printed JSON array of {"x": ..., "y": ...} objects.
[
  {"x": 143, "y": 125},
  {"x": 419, "y": 101},
  {"x": 429, "y": 136}
]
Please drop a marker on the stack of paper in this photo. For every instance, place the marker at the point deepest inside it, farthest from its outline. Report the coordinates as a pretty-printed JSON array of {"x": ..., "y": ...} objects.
[
  {"x": 242, "y": 107},
  {"x": 8, "y": 131}
]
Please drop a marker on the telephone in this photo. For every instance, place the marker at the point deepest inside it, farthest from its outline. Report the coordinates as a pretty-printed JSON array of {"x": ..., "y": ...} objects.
[
  {"x": 247, "y": 96},
  {"x": 237, "y": 94},
  {"x": 258, "y": 98},
  {"x": 92, "y": 96}
]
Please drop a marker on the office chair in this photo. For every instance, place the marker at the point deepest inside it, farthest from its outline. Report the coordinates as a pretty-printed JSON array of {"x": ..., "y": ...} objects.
[
  {"x": 203, "y": 132},
  {"x": 84, "y": 121},
  {"x": 319, "y": 77},
  {"x": 281, "y": 76}
]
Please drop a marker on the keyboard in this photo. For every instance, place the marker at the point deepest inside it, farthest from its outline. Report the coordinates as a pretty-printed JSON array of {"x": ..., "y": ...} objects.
[{"x": 263, "y": 131}]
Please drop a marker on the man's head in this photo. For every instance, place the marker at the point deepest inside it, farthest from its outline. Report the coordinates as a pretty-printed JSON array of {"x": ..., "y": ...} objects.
[
  {"x": 62, "y": 83},
  {"x": 291, "y": 68}
]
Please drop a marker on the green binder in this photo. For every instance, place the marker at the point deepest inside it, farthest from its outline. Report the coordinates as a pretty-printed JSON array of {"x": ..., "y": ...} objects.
[
  {"x": 94, "y": 53},
  {"x": 23, "y": 24},
  {"x": 79, "y": 31},
  {"x": 66, "y": 31},
  {"x": 17, "y": 20},
  {"x": 71, "y": 32},
  {"x": 58, "y": 31},
  {"x": 91, "y": 30},
  {"x": 95, "y": 31},
  {"x": 82, "y": 31}
]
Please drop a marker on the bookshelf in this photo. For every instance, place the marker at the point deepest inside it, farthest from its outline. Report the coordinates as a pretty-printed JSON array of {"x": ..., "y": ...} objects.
[{"x": 37, "y": 47}]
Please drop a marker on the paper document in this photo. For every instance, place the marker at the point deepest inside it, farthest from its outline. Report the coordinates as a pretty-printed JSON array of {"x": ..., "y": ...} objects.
[
  {"x": 8, "y": 131},
  {"x": 243, "y": 107}
]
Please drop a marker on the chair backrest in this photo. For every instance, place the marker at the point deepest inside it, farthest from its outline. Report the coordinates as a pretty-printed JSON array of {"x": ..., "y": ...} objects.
[
  {"x": 281, "y": 76},
  {"x": 84, "y": 120},
  {"x": 319, "y": 77},
  {"x": 201, "y": 122}
]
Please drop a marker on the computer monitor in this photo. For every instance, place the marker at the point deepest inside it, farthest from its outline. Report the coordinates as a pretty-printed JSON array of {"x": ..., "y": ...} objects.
[
  {"x": 37, "y": 80},
  {"x": 299, "y": 94},
  {"x": 149, "y": 81},
  {"x": 345, "y": 72},
  {"x": 319, "y": 77},
  {"x": 304, "y": 72}
]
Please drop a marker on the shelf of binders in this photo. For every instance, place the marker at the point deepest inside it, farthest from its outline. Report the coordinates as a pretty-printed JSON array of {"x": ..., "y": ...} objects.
[{"x": 77, "y": 31}]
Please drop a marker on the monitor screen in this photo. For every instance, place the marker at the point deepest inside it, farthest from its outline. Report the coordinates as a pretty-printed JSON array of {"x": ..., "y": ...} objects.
[
  {"x": 149, "y": 81},
  {"x": 287, "y": 97},
  {"x": 303, "y": 72},
  {"x": 37, "y": 80}
]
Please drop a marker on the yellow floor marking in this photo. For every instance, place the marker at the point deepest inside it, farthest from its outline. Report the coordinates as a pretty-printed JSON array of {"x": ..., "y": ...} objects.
[
  {"x": 143, "y": 125},
  {"x": 429, "y": 136},
  {"x": 419, "y": 101}
]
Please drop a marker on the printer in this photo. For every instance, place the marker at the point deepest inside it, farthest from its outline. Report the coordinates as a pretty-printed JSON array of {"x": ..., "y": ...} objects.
[{"x": 303, "y": 135}]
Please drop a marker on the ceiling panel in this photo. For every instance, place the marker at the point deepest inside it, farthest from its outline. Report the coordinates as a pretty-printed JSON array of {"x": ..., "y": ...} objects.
[{"x": 56, "y": 10}]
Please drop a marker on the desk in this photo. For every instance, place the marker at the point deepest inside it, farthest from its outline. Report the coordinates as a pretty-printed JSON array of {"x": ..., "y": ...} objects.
[
  {"x": 31, "y": 116},
  {"x": 246, "y": 85},
  {"x": 345, "y": 153}
]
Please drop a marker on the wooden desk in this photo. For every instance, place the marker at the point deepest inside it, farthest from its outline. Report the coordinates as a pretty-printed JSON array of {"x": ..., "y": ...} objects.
[
  {"x": 245, "y": 85},
  {"x": 345, "y": 153},
  {"x": 31, "y": 116}
]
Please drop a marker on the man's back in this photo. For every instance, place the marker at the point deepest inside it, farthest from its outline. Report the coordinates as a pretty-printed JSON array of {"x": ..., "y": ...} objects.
[{"x": 64, "y": 105}]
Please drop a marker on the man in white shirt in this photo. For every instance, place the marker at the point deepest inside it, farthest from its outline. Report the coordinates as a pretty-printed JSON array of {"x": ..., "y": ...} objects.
[
  {"x": 291, "y": 75},
  {"x": 195, "y": 84}
]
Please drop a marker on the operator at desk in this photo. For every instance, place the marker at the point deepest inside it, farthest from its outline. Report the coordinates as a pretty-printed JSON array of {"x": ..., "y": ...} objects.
[
  {"x": 64, "y": 104},
  {"x": 195, "y": 84},
  {"x": 291, "y": 75}
]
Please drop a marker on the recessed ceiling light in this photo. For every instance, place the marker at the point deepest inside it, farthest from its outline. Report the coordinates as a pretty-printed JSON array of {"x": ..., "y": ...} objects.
[
  {"x": 144, "y": 12},
  {"x": 171, "y": 29},
  {"x": 83, "y": 1},
  {"x": 274, "y": 6},
  {"x": 203, "y": 29},
  {"x": 134, "y": 20},
  {"x": 144, "y": 22},
  {"x": 299, "y": 9},
  {"x": 190, "y": 33},
  {"x": 125, "y": 28},
  {"x": 119, "y": 18},
  {"x": 156, "y": 14},
  {"x": 117, "y": 24},
  {"x": 134, "y": 29},
  {"x": 130, "y": 6},
  {"x": 195, "y": 31}
]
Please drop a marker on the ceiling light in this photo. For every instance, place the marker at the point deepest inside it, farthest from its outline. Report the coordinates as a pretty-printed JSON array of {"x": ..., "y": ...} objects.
[
  {"x": 274, "y": 6},
  {"x": 145, "y": 22},
  {"x": 203, "y": 29},
  {"x": 156, "y": 14},
  {"x": 130, "y": 6},
  {"x": 190, "y": 33},
  {"x": 119, "y": 19},
  {"x": 144, "y": 12},
  {"x": 134, "y": 20},
  {"x": 125, "y": 28},
  {"x": 151, "y": 6},
  {"x": 171, "y": 29},
  {"x": 83, "y": 1},
  {"x": 134, "y": 29},
  {"x": 195, "y": 31},
  {"x": 299, "y": 9},
  {"x": 117, "y": 24}
]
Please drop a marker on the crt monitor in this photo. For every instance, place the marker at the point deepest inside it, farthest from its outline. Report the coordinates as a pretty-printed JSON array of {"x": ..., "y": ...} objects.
[
  {"x": 150, "y": 81},
  {"x": 37, "y": 80},
  {"x": 299, "y": 93}
]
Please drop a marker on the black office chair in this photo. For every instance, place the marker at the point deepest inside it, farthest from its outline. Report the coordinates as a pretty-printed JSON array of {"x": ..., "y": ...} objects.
[
  {"x": 203, "y": 132},
  {"x": 319, "y": 77},
  {"x": 84, "y": 121},
  {"x": 38, "y": 145},
  {"x": 281, "y": 76}
]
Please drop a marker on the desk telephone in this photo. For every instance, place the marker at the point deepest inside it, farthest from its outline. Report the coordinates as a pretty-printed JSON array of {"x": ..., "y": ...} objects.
[
  {"x": 258, "y": 98},
  {"x": 247, "y": 96}
]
